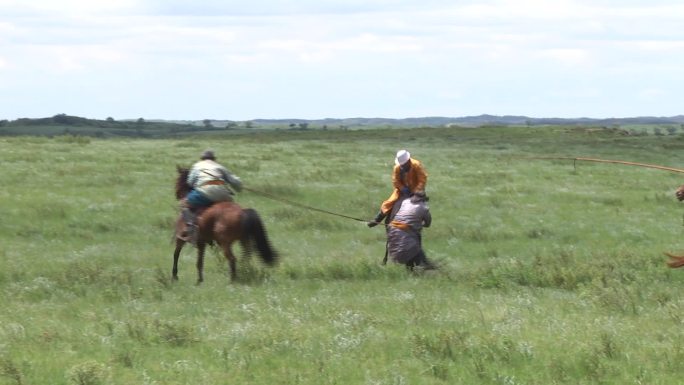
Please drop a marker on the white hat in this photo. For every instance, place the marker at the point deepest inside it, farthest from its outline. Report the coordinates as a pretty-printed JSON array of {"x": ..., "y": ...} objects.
[{"x": 402, "y": 157}]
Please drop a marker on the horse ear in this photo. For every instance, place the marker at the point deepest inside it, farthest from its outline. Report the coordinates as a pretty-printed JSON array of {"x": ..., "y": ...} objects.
[{"x": 179, "y": 168}]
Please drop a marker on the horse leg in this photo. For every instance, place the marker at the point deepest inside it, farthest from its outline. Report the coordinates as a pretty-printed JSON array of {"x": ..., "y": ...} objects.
[
  {"x": 413, "y": 262},
  {"x": 228, "y": 252},
  {"x": 200, "y": 262},
  {"x": 384, "y": 259},
  {"x": 176, "y": 254}
]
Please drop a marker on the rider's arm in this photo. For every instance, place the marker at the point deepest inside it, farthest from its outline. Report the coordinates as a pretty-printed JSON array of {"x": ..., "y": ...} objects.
[
  {"x": 396, "y": 178},
  {"x": 192, "y": 177},
  {"x": 427, "y": 218},
  {"x": 420, "y": 175},
  {"x": 232, "y": 180}
]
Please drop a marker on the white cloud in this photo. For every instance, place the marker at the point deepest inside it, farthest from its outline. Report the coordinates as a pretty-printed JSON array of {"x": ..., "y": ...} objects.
[
  {"x": 568, "y": 56},
  {"x": 659, "y": 46},
  {"x": 652, "y": 93},
  {"x": 68, "y": 6}
]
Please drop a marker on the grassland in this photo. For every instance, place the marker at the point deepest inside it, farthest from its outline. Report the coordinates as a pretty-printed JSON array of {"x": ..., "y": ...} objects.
[{"x": 551, "y": 273}]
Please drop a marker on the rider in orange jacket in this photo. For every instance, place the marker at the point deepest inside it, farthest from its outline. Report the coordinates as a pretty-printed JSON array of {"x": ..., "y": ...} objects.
[{"x": 408, "y": 176}]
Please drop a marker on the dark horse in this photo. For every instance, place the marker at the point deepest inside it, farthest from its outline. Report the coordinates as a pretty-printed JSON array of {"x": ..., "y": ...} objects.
[{"x": 222, "y": 224}]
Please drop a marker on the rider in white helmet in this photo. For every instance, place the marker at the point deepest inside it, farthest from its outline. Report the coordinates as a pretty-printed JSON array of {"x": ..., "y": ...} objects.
[{"x": 408, "y": 176}]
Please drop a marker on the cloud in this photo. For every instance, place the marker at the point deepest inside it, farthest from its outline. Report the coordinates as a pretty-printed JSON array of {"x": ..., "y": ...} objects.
[
  {"x": 651, "y": 93},
  {"x": 32, "y": 8},
  {"x": 571, "y": 57}
]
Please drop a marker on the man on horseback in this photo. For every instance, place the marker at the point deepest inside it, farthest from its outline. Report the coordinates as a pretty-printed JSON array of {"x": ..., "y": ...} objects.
[
  {"x": 210, "y": 182},
  {"x": 408, "y": 176}
]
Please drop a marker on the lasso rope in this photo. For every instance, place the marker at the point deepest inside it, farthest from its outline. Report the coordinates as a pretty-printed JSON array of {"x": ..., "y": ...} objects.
[
  {"x": 277, "y": 198},
  {"x": 575, "y": 159},
  {"x": 675, "y": 260}
]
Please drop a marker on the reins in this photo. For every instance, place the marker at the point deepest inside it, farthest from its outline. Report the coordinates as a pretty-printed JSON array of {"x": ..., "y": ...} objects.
[{"x": 277, "y": 198}]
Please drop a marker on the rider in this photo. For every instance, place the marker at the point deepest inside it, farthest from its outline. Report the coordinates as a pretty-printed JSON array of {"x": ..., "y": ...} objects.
[
  {"x": 210, "y": 183},
  {"x": 408, "y": 176}
]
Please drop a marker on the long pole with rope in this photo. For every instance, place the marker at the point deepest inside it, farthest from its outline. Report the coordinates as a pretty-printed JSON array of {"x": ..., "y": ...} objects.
[
  {"x": 277, "y": 198},
  {"x": 675, "y": 260},
  {"x": 575, "y": 159}
]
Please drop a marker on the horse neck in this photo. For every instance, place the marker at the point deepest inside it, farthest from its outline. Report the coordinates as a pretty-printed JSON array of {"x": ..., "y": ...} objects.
[
  {"x": 181, "y": 192},
  {"x": 182, "y": 187}
]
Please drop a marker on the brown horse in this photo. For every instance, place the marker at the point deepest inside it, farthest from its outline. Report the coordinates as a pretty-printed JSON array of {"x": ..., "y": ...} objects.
[
  {"x": 676, "y": 260},
  {"x": 222, "y": 224}
]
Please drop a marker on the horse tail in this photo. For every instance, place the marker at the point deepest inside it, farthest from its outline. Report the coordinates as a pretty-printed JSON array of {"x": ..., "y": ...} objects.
[{"x": 255, "y": 232}]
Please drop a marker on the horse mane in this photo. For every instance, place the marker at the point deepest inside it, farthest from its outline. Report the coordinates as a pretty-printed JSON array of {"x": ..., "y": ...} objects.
[{"x": 182, "y": 187}]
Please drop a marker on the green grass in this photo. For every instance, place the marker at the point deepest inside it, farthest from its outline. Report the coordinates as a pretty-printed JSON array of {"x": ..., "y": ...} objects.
[{"x": 552, "y": 273}]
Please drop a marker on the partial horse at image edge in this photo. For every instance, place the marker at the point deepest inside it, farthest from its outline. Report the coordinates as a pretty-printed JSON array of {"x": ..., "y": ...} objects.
[
  {"x": 676, "y": 261},
  {"x": 221, "y": 225}
]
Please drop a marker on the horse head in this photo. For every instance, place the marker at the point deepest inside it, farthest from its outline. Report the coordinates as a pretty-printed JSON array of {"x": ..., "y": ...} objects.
[
  {"x": 182, "y": 186},
  {"x": 680, "y": 193}
]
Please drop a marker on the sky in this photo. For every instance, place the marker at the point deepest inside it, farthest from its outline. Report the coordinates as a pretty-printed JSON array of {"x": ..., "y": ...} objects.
[{"x": 316, "y": 59}]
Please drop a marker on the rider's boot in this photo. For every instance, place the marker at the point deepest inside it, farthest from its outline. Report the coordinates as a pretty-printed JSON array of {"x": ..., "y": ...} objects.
[{"x": 190, "y": 219}]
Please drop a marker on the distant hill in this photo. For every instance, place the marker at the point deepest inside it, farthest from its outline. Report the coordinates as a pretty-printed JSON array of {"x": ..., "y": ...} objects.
[
  {"x": 66, "y": 124},
  {"x": 63, "y": 124},
  {"x": 479, "y": 120}
]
